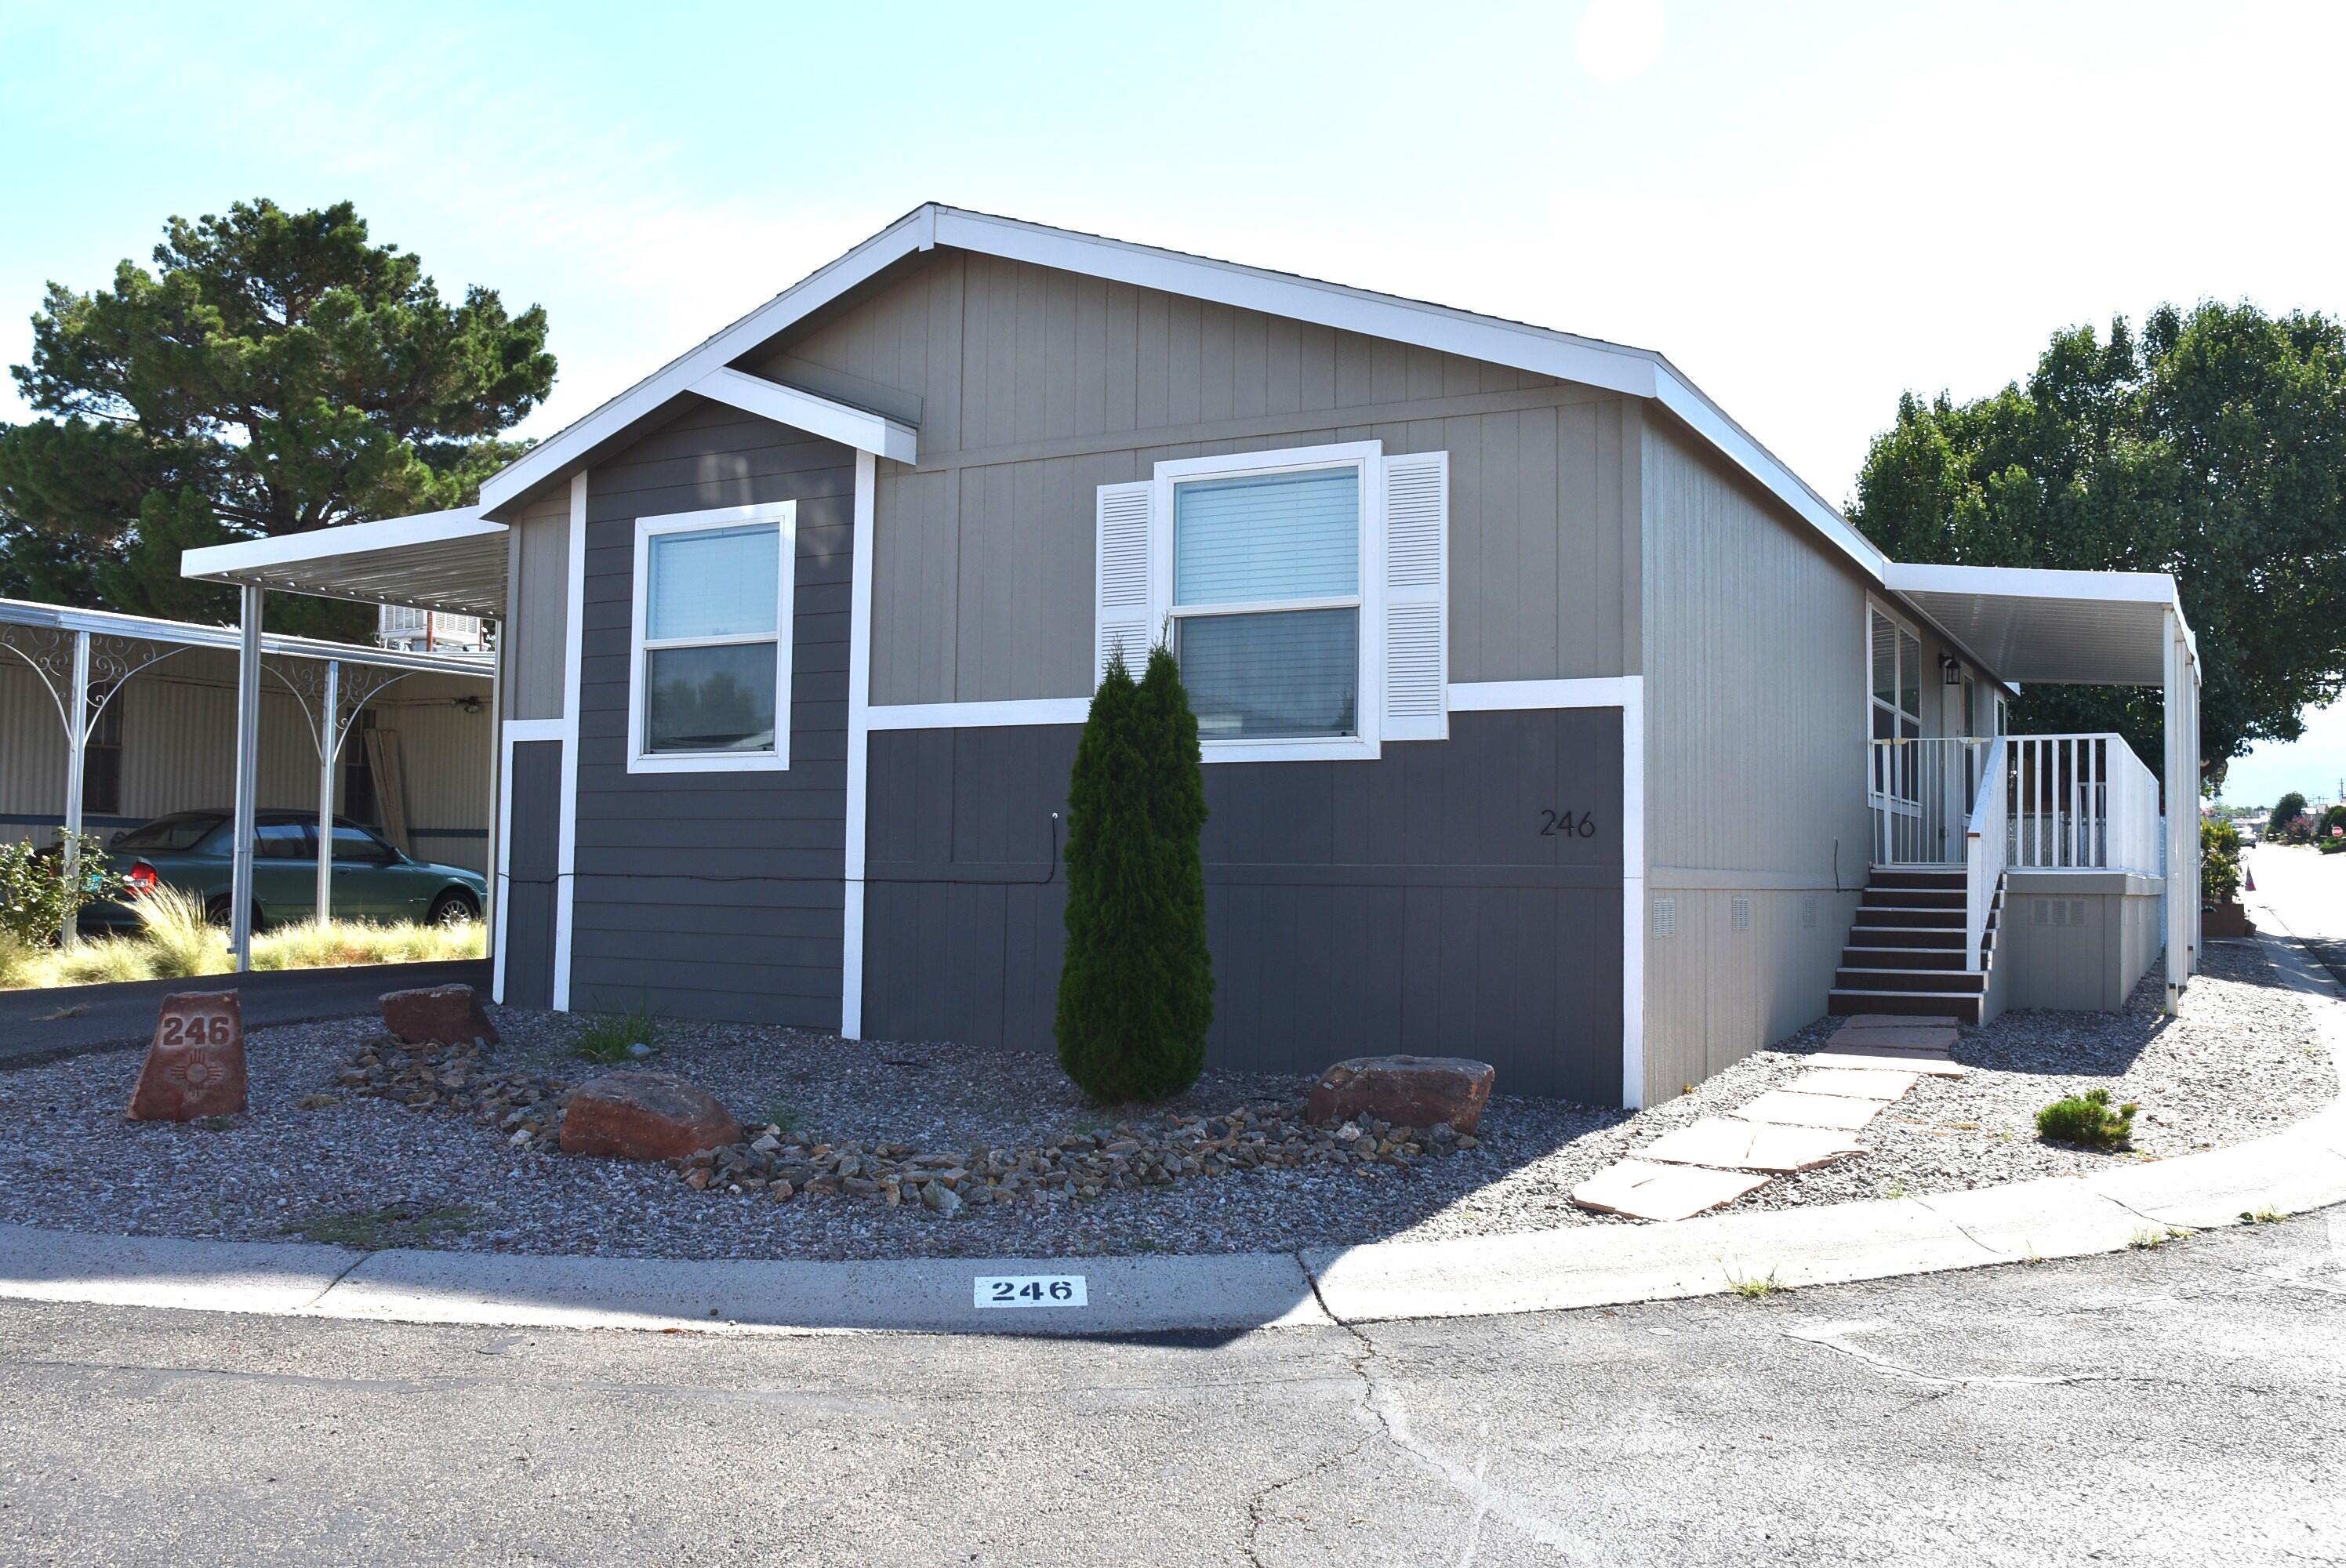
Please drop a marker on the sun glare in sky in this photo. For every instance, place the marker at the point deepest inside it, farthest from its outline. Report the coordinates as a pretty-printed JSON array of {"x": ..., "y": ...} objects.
[{"x": 1620, "y": 39}]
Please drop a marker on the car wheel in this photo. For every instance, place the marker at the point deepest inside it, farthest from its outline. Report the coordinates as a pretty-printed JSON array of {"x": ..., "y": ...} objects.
[
  {"x": 452, "y": 908},
  {"x": 216, "y": 913}
]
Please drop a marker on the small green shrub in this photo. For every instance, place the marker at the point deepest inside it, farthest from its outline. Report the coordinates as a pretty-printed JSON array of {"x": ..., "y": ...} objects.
[
  {"x": 606, "y": 1037},
  {"x": 2088, "y": 1119},
  {"x": 35, "y": 902},
  {"x": 180, "y": 943},
  {"x": 2219, "y": 861}
]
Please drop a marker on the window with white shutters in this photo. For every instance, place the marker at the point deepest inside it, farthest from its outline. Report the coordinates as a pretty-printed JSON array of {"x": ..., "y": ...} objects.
[{"x": 1304, "y": 591}]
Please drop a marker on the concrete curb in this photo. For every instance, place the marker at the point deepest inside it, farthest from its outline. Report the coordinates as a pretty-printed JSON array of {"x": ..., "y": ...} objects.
[{"x": 2301, "y": 1168}]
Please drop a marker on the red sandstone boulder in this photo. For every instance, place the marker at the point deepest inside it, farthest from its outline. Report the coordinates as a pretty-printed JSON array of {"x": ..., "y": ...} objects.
[
  {"x": 195, "y": 1064},
  {"x": 439, "y": 1014},
  {"x": 1408, "y": 1091},
  {"x": 636, "y": 1114}
]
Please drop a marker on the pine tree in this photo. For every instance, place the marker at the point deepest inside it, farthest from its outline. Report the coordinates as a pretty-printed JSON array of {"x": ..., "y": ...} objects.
[{"x": 1136, "y": 991}]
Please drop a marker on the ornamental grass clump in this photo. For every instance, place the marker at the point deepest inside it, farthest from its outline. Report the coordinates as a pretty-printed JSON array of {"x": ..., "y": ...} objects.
[
  {"x": 1137, "y": 987},
  {"x": 181, "y": 943},
  {"x": 2088, "y": 1119}
]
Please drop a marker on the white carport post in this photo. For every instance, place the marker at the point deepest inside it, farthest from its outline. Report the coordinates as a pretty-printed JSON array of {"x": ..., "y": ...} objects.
[
  {"x": 329, "y": 748},
  {"x": 76, "y": 755},
  {"x": 2182, "y": 791},
  {"x": 248, "y": 775}
]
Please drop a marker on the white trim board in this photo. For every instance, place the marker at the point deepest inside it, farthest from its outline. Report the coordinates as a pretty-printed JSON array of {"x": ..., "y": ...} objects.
[
  {"x": 974, "y": 714},
  {"x": 1505, "y": 696},
  {"x": 1637, "y": 372},
  {"x": 859, "y": 747},
  {"x": 565, "y": 864},
  {"x": 867, "y": 432}
]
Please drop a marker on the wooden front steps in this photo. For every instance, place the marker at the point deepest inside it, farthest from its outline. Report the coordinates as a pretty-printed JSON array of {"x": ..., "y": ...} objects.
[{"x": 1905, "y": 951}]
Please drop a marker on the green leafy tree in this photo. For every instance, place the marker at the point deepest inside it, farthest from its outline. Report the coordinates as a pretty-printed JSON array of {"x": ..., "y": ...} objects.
[
  {"x": 2212, "y": 447},
  {"x": 1137, "y": 987},
  {"x": 2287, "y": 810},
  {"x": 273, "y": 372}
]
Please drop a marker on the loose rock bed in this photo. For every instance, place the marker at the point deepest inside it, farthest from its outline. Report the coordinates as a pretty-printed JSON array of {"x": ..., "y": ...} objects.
[{"x": 464, "y": 1136}]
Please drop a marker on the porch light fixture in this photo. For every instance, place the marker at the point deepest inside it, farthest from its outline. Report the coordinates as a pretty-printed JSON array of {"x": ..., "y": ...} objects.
[{"x": 1950, "y": 670}]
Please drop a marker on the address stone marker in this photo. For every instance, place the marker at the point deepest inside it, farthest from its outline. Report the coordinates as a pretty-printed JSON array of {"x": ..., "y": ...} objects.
[{"x": 195, "y": 1064}]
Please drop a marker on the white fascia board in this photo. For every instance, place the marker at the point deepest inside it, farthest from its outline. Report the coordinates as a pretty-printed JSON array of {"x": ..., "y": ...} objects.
[
  {"x": 220, "y": 562},
  {"x": 1634, "y": 372},
  {"x": 2031, "y": 583},
  {"x": 1682, "y": 398},
  {"x": 909, "y": 233},
  {"x": 854, "y": 427},
  {"x": 1612, "y": 366}
]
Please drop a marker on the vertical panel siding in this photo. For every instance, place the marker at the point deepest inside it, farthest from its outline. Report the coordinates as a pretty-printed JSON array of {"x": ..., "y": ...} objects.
[
  {"x": 538, "y": 613},
  {"x": 1755, "y": 730},
  {"x": 1406, "y": 905},
  {"x": 1035, "y": 387},
  {"x": 719, "y": 894}
]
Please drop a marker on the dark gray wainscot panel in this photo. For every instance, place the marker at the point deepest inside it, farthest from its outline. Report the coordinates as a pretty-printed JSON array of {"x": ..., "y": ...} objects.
[
  {"x": 533, "y": 859},
  {"x": 1425, "y": 901}
]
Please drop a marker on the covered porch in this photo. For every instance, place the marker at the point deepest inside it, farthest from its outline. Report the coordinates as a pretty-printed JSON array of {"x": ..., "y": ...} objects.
[
  {"x": 452, "y": 563},
  {"x": 1961, "y": 823}
]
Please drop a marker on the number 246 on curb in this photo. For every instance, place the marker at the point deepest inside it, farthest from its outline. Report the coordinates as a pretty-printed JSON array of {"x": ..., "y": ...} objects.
[{"x": 1028, "y": 1290}]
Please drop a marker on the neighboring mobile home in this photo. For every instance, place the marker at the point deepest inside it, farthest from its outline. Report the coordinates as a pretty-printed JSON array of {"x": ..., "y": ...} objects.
[
  {"x": 410, "y": 737},
  {"x": 1547, "y": 718}
]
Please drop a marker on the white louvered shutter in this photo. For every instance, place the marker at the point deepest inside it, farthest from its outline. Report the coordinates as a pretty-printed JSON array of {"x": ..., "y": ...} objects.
[
  {"x": 1417, "y": 596},
  {"x": 1122, "y": 603}
]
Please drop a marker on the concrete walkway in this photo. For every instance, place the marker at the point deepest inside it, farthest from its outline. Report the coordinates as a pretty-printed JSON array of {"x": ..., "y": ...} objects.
[
  {"x": 41, "y": 1025},
  {"x": 2291, "y": 1171}
]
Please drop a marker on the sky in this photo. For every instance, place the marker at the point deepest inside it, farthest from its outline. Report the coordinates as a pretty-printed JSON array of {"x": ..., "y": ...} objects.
[{"x": 1809, "y": 207}]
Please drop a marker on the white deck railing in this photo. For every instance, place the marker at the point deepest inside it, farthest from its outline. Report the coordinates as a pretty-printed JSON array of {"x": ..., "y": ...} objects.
[
  {"x": 1987, "y": 841},
  {"x": 2070, "y": 802}
]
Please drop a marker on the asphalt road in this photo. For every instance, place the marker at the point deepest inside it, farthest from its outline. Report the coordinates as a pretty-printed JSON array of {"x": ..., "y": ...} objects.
[
  {"x": 42, "y": 1025},
  {"x": 2182, "y": 1405}
]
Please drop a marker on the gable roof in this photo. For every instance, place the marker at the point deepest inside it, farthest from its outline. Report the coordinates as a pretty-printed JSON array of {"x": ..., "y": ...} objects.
[{"x": 1635, "y": 373}]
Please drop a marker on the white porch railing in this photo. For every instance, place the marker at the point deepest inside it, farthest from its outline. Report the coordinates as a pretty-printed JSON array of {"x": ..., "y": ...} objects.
[
  {"x": 1987, "y": 843},
  {"x": 2070, "y": 802}
]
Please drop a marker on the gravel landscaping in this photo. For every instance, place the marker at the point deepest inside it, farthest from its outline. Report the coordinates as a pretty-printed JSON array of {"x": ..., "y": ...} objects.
[{"x": 328, "y": 1155}]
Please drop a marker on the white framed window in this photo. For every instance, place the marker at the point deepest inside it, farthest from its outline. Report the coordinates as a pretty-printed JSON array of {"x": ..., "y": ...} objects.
[
  {"x": 709, "y": 679},
  {"x": 1304, "y": 591}
]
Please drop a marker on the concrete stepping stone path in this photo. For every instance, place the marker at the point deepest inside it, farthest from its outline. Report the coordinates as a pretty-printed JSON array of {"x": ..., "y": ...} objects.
[
  {"x": 1641, "y": 1189},
  {"x": 1855, "y": 1083},
  {"x": 1726, "y": 1144},
  {"x": 1784, "y": 1107},
  {"x": 1872, "y": 1060}
]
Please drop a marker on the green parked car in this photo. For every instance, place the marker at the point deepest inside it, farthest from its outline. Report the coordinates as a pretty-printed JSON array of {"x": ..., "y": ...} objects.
[{"x": 193, "y": 851}]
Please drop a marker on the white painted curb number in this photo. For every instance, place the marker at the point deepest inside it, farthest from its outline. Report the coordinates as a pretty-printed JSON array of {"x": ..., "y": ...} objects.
[{"x": 1028, "y": 1290}]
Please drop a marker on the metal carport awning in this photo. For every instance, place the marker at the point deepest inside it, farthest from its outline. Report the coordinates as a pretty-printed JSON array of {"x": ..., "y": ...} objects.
[
  {"x": 449, "y": 561},
  {"x": 2091, "y": 628},
  {"x": 454, "y": 561}
]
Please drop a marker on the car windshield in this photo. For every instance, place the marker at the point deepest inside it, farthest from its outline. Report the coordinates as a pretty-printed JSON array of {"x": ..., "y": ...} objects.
[{"x": 169, "y": 833}]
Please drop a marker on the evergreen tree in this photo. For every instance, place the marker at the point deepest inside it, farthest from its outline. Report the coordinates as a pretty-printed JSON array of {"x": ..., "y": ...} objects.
[
  {"x": 1136, "y": 991},
  {"x": 274, "y": 373}
]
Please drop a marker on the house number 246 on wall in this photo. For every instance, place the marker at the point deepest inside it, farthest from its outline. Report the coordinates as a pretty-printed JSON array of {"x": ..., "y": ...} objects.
[{"x": 1564, "y": 824}]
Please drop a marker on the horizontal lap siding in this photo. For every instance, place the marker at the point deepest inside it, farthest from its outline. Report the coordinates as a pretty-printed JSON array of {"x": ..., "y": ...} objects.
[
  {"x": 1411, "y": 904},
  {"x": 716, "y": 895},
  {"x": 1034, "y": 387}
]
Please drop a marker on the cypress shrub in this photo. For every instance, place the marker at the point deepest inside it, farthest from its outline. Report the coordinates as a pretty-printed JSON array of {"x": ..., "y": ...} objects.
[{"x": 1136, "y": 988}]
